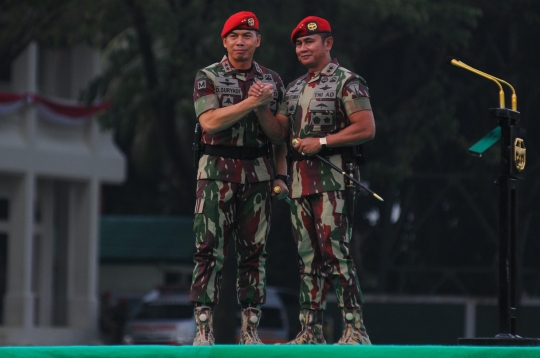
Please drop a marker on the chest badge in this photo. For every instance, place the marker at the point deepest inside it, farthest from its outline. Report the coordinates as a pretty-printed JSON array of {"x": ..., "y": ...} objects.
[{"x": 228, "y": 101}]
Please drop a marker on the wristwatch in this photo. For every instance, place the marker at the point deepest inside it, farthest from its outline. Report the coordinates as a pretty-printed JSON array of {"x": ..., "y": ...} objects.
[
  {"x": 322, "y": 141},
  {"x": 285, "y": 178}
]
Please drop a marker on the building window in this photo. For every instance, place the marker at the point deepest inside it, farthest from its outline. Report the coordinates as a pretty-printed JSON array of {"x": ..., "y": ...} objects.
[
  {"x": 5, "y": 73},
  {"x": 4, "y": 209},
  {"x": 173, "y": 278},
  {"x": 37, "y": 212},
  {"x": 3, "y": 272}
]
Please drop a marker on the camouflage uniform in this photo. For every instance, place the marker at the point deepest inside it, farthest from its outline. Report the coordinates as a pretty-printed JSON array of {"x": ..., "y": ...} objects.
[
  {"x": 319, "y": 105},
  {"x": 233, "y": 195}
]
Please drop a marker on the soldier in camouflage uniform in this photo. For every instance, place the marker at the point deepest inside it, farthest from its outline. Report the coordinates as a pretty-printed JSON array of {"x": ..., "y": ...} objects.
[
  {"x": 235, "y": 177},
  {"x": 326, "y": 112}
]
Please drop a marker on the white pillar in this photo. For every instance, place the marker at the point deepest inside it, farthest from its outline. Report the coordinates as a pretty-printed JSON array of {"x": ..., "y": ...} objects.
[
  {"x": 45, "y": 276},
  {"x": 470, "y": 318},
  {"x": 19, "y": 300},
  {"x": 83, "y": 255},
  {"x": 24, "y": 70}
]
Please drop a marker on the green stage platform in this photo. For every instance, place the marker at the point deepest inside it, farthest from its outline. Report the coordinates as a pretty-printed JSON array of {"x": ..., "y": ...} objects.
[{"x": 233, "y": 351}]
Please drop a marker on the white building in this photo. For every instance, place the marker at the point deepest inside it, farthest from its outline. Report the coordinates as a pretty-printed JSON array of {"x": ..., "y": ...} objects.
[{"x": 50, "y": 178}]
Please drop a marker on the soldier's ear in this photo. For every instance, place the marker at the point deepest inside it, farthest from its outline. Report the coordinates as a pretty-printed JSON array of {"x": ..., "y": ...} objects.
[
  {"x": 328, "y": 43},
  {"x": 258, "y": 40}
]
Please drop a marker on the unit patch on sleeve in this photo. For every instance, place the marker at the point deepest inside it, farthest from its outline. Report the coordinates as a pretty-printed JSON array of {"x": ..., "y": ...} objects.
[{"x": 357, "y": 89}]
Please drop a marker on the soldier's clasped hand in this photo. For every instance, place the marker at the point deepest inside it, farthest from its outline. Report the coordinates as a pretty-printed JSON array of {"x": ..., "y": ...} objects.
[{"x": 263, "y": 91}]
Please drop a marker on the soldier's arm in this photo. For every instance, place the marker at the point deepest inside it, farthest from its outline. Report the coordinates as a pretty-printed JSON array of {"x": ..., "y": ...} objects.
[
  {"x": 216, "y": 120},
  {"x": 362, "y": 129},
  {"x": 212, "y": 117},
  {"x": 275, "y": 127},
  {"x": 355, "y": 99}
]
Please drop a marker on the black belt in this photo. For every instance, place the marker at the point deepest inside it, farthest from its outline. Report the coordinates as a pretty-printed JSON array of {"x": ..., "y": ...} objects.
[{"x": 246, "y": 153}]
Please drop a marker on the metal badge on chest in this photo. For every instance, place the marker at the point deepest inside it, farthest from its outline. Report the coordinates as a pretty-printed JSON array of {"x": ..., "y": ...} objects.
[{"x": 292, "y": 96}]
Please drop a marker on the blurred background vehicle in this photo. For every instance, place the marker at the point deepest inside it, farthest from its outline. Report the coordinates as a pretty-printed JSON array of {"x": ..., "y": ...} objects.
[
  {"x": 274, "y": 324},
  {"x": 165, "y": 316}
]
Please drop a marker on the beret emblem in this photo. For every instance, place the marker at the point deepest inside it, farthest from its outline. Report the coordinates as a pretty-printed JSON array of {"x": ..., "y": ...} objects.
[{"x": 312, "y": 26}]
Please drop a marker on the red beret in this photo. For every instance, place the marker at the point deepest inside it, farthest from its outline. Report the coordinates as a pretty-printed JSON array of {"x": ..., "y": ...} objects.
[
  {"x": 309, "y": 26},
  {"x": 241, "y": 20}
]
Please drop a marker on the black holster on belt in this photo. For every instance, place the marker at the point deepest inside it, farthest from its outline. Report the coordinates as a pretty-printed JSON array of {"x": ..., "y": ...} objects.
[
  {"x": 348, "y": 155},
  {"x": 197, "y": 146},
  {"x": 288, "y": 157},
  {"x": 359, "y": 154}
]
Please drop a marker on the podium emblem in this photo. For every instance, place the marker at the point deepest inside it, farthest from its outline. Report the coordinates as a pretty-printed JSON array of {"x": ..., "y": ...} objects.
[{"x": 520, "y": 154}]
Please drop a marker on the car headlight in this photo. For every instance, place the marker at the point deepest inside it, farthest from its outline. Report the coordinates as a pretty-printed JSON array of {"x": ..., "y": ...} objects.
[{"x": 128, "y": 339}]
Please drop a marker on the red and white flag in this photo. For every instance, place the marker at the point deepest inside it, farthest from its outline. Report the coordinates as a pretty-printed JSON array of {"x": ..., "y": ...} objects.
[
  {"x": 54, "y": 111},
  {"x": 10, "y": 102}
]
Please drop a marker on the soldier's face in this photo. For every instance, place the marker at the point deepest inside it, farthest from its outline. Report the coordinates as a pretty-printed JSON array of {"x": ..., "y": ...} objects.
[
  {"x": 312, "y": 52},
  {"x": 241, "y": 44}
]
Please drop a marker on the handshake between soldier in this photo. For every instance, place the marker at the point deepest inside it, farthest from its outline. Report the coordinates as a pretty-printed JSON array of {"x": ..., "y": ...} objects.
[{"x": 245, "y": 113}]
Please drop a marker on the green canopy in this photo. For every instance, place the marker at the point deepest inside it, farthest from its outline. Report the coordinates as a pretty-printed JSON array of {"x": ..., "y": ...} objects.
[{"x": 146, "y": 239}]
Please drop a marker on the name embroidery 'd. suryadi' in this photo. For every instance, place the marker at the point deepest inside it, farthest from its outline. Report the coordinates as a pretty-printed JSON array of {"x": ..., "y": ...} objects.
[{"x": 228, "y": 90}]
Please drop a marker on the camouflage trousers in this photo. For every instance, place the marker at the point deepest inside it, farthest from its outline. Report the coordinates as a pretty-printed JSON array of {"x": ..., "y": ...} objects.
[
  {"x": 224, "y": 210},
  {"x": 322, "y": 234}
]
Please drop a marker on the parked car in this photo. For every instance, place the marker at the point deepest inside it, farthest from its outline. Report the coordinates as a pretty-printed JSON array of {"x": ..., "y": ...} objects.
[
  {"x": 165, "y": 316},
  {"x": 274, "y": 323}
]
